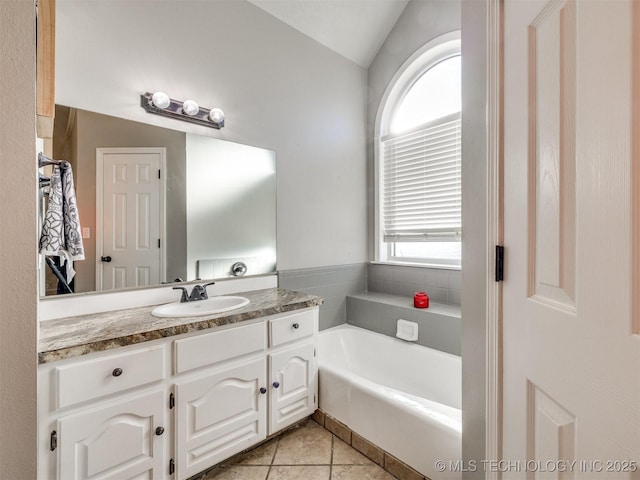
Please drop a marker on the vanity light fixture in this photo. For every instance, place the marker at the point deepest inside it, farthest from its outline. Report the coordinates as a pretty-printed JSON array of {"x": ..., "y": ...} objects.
[
  {"x": 216, "y": 116},
  {"x": 161, "y": 100},
  {"x": 189, "y": 111},
  {"x": 189, "y": 107}
]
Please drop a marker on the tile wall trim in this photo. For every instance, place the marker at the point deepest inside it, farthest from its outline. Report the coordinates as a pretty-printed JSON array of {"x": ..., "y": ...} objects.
[
  {"x": 388, "y": 462},
  {"x": 443, "y": 285},
  {"x": 332, "y": 283}
]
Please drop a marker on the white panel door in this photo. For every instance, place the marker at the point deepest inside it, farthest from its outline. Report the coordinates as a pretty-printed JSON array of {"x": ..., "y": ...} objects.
[
  {"x": 294, "y": 385},
  {"x": 570, "y": 356},
  {"x": 130, "y": 217},
  {"x": 115, "y": 442},
  {"x": 219, "y": 414}
]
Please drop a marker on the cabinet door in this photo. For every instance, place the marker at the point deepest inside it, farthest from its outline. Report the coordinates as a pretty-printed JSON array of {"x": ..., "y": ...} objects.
[
  {"x": 116, "y": 441},
  {"x": 294, "y": 384},
  {"x": 219, "y": 414}
]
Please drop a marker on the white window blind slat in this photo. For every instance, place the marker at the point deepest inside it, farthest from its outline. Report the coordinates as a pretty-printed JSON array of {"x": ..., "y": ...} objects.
[
  {"x": 425, "y": 162},
  {"x": 440, "y": 177},
  {"x": 422, "y": 190}
]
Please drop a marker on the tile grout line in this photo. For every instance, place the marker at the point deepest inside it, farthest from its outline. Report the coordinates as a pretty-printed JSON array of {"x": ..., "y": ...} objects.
[
  {"x": 333, "y": 439},
  {"x": 275, "y": 450}
]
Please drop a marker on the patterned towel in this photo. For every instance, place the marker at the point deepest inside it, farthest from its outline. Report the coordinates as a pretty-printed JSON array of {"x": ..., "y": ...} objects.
[{"x": 61, "y": 227}]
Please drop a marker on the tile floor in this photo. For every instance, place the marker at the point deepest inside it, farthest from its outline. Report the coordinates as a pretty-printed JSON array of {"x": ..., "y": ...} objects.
[{"x": 308, "y": 452}]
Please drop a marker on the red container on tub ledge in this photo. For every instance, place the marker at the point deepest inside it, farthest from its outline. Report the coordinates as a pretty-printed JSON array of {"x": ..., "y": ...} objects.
[{"x": 421, "y": 300}]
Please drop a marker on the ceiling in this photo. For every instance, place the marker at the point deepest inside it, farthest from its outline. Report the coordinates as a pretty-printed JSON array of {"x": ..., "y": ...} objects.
[{"x": 356, "y": 29}]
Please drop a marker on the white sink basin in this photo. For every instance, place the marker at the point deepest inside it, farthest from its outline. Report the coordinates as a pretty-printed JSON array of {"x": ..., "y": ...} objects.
[{"x": 200, "y": 307}]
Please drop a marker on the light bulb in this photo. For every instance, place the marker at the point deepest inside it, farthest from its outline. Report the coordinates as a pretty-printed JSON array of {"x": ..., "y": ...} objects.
[
  {"x": 161, "y": 100},
  {"x": 216, "y": 115},
  {"x": 190, "y": 107}
]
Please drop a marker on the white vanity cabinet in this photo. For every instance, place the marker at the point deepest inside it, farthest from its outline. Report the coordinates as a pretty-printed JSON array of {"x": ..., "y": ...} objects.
[
  {"x": 219, "y": 414},
  {"x": 170, "y": 408},
  {"x": 293, "y": 370},
  {"x": 220, "y": 410},
  {"x": 104, "y": 416},
  {"x": 251, "y": 381},
  {"x": 114, "y": 441}
]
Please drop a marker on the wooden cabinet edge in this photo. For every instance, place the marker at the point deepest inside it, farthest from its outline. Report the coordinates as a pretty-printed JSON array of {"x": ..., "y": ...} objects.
[
  {"x": 44, "y": 128},
  {"x": 45, "y": 68}
]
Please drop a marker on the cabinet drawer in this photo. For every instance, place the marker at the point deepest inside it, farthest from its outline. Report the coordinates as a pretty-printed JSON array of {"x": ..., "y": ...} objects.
[
  {"x": 92, "y": 379},
  {"x": 210, "y": 348},
  {"x": 292, "y": 327}
]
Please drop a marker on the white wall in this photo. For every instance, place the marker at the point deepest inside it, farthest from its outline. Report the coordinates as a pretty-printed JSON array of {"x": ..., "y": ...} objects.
[
  {"x": 474, "y": 224},
  {"x": 18, "y": 283},
  {"x": 279, "y": 89}
]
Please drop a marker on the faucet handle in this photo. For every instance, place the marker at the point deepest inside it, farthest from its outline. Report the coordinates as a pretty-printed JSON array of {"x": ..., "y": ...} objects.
[
  {"x": 185, "y": 296},
  {"x": 205, "y": 288}
]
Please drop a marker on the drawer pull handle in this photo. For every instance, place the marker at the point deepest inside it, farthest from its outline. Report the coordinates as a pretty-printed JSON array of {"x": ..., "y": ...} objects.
[
  {"x": 159, "y": 431},
  {"x": 263, "y": 390},
  {"x": 296, "y": 325},
  {"x": 276, "y": 384},
  {"x": 116, "y": 372}
]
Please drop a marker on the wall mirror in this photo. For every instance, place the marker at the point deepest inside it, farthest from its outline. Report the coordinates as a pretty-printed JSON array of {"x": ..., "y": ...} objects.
[{"x": 157, "y": 205}]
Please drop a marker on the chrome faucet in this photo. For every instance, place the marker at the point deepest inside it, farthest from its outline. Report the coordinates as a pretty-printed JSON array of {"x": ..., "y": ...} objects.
[{"x": 199, "y": 292}]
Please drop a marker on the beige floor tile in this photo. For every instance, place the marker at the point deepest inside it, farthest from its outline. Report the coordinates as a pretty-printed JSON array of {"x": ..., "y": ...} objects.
[
  {"x": 262, "y": 455},
  {"x": 238, "y": 472},
  {"x": 359, "y": 472},
  {"x": 300, "y": 472},
  {"x": 304, "y": 446},
  {"x": 343, "y": 454},
  {"x": 310, "y": 423}
]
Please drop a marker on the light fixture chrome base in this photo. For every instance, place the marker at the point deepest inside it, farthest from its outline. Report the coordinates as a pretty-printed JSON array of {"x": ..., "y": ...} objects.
[{"x": 174, "y": 110}]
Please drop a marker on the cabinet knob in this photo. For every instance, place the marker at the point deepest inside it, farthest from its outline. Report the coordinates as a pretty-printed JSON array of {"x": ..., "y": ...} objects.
[
  {"x": 296, "y": 325},
  {"x": 263, "y": 390},
  {"x": 276, "y": 384},
  {"x": 159, "y": 431},
  {"x": 116, "y": 372}
]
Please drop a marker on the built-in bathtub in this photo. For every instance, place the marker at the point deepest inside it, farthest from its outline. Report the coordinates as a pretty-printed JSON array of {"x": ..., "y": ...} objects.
[{"x": 403, "y": 397}]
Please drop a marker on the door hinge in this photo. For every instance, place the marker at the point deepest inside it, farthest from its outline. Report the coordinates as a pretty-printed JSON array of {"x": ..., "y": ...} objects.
[
  {"x": 499, "y": 263},
  {"x": 158, "y": 174},
  {"x": 172, "y": 467},
  {"x": 172, "y": 401},
  {"x": 53, "y": 442},
  {"x": 314, "y": 399},
  {"x": 314, "y": 352},
  {"x": 158, "y": 243}
]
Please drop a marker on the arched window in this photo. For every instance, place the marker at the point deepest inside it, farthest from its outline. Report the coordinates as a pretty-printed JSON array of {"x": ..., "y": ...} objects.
[{"x": 419, "y": 190}]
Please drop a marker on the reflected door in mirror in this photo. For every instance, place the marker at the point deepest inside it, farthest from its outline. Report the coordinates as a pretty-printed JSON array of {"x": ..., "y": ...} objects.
[{"x": 130, "y": 217}]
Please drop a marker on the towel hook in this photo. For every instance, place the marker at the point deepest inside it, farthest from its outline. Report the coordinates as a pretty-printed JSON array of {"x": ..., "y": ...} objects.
[{"x": 43, "y": 161}]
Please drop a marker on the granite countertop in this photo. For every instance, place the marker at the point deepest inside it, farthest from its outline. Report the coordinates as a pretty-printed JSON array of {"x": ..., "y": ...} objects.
[{"x": 74, "y": 336}]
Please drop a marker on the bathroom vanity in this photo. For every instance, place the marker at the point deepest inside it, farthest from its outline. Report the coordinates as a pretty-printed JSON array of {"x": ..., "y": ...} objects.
[{"x": 127, "y": 395}]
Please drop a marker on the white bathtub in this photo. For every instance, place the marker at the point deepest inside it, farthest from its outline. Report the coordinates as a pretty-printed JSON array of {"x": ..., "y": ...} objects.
[{"x": 403, "y": 397}]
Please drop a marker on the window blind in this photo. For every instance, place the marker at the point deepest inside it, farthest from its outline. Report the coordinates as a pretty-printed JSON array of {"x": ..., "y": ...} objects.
[{"x": 422, "y": 188}]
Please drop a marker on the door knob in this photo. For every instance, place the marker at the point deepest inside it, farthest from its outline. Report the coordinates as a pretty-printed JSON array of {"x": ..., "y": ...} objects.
[
  {"x": 263, "y": 390},
  {"x": 116, "y": 372},
  {"x": 276, "y": 384},
  {"x": 105, "y": 259},
  {"x": 159, "y": 431}
]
